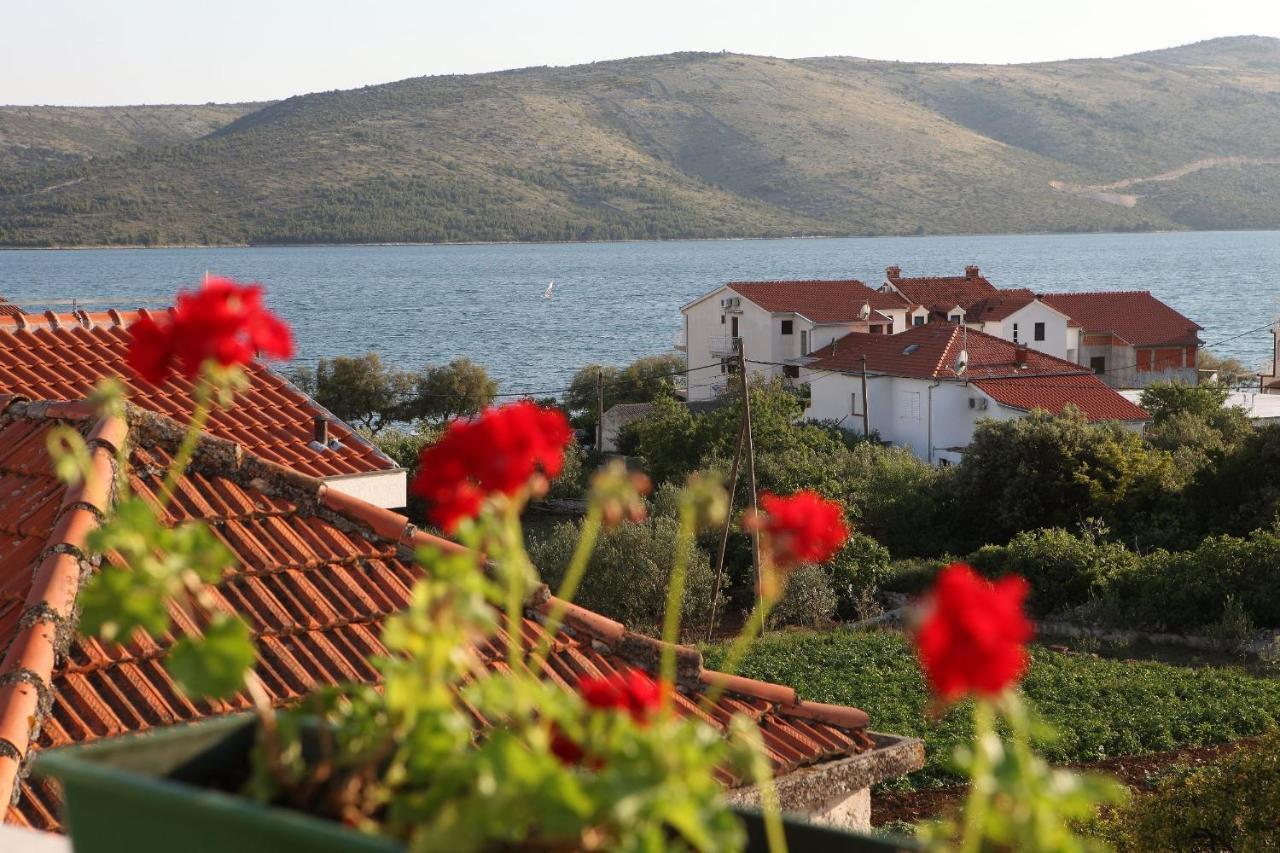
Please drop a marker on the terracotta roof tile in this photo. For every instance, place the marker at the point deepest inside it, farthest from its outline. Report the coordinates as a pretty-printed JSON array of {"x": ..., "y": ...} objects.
[
  {"x": 819, "y": 301},
  {"x": 317, "y": 576},
  {"x": 942, "y": 293},
  {"x": 931, "y": 352},
  {"x": 56, "y": 356},
  {"x": 1134, "y": 315}
]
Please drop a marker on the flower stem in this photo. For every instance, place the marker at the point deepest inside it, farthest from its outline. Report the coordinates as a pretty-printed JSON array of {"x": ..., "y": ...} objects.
[
  {"x": 572, "y": 578},
  {"x": 770, "y": 811},
  {"x": 675, "y": 599},
  {"x": 178, "y": 467},
  {"x": 979, "y": 799},
  {"x": 517, "y": 563},
  {"x": 741, "y": 645}
]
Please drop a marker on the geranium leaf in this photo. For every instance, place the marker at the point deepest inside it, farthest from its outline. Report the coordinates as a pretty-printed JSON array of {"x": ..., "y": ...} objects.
[{"x": 213, "y": 665}]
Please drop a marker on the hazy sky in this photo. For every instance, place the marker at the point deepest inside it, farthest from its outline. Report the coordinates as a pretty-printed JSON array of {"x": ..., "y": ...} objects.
[{"x": 171, "y": 51}]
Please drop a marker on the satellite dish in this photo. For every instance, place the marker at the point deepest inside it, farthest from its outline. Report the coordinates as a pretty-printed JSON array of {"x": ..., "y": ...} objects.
[
  {"x": 865, "y": 312},
  {"x": 962, "y": 362}
]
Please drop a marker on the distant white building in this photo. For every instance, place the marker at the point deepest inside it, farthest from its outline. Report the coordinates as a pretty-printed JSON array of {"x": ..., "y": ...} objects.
[
  {"x": 777, "y": 323},
  {"x": 1016, "y": 315},
  {"x": 928, "y": 387}
]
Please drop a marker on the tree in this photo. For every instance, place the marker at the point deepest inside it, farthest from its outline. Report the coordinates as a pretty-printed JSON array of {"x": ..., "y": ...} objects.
[
  {"x": 362, "y": 390},
  {"x": 1231, "y": 371},
  {"x": 642, "y": 381},
  {"x": 454, "y": 390},
  {"x": 1058, "y": 471},
  {"x": 1165, "y": 399}
]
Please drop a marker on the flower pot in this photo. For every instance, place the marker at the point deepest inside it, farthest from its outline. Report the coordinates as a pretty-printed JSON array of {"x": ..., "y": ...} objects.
[{"x": 168, "y": 790}]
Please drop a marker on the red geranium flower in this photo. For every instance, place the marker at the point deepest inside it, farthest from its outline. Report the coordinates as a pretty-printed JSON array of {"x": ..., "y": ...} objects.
[
  {"x": 496, "y": 453},
  {"x": 222, "y": 321},
  {"x": 802, "y": 528},
  {"x": 973, "y": 638},
  {"x": 632, "y": 691},
  {"x": 565, "y": 748}
]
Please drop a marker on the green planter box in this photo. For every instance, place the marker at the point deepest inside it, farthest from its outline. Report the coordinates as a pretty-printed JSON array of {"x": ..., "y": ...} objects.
[{"x": 164, "y": 791}]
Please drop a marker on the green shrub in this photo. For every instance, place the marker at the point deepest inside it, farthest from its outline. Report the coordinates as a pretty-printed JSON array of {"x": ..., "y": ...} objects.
[
  {"x": 628, "y": 573},
  {"x": 856, "y": 574},
  {"x": 912, "y": 576},
  {"x": 1064, "y": 570},
  {"x": 809, "y": 600},
  {"x": 1231, "y": 804}
]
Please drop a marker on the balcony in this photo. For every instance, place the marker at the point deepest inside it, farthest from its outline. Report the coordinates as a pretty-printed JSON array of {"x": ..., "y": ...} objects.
[{"x": 723, "y": 345}]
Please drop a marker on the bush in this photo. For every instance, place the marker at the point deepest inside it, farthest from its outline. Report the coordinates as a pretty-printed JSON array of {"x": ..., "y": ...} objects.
[
  {"x": 856, "y": 574},
  {"x": 1064, "y": 570},
  {"x": 912, "y": 576},
  {"x": 1230, "y": 804},
  {"x": 629, "y": 571},
  {"x": 809, "y": 600}
]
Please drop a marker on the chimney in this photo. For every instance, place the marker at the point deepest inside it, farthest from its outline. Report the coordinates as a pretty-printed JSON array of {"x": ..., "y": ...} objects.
[
  {"x": 1020, "y": 356},
  {"x": 893, "y": 272},
  {"x": 971, "y": 272},
  {"x": 322, "y": 430}
]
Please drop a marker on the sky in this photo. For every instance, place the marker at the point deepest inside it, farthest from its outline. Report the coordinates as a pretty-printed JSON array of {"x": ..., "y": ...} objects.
[{"x": 170, "y": 51}]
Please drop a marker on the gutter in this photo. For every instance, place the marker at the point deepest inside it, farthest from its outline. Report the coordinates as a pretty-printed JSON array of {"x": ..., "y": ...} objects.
[{"x": 936, "y": 383}]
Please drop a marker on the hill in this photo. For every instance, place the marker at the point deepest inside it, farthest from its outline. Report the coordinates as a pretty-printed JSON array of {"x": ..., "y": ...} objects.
[{"x": 682, "y": 145}]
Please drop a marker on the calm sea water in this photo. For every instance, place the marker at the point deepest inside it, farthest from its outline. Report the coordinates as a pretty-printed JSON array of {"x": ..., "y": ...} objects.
[{"x": 614, "y": 302}]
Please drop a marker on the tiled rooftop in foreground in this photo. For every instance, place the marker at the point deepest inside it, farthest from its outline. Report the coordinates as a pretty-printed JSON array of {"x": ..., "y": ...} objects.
[
  {"x": 318, "y": 573},
  {"x": 53, "y": 356}
]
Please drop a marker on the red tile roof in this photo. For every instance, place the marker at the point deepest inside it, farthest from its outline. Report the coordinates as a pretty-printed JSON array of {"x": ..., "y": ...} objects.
[
  {"x": 1097, "y": 400},
  {"x": 1134, "y": 315},
  {"x": 942, "y": 293},
  {"x": 819, "y": 301},
  {"x": 931, "y": 352},
  {"x": 998, "y": 305},
  {"x": 63, "y": 356},
  {"x": 318, "y": 573}
]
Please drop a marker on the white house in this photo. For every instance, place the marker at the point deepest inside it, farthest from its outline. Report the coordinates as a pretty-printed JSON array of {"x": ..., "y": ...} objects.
[
  {"x": 927, "y": 387},
  {"x": 777, "y": 323},
  {"x": 1269, "y": 383},
  {"x": 1017, "y": 315}
]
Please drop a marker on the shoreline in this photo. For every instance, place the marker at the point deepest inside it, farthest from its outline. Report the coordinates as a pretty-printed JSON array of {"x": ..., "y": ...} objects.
[{"x": 392, "y": 243}]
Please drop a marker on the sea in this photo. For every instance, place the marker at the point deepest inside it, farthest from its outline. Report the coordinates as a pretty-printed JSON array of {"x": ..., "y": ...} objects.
[{"x": 614, "y": 302}]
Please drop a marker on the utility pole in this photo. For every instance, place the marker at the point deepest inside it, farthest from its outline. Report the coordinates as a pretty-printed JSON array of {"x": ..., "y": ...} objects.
[
  {"x": 751, "y": 459},
  {"x": 599, "y": 410},
  {"x": 728, "y": 520},
  {"x": 866, "y": 415}
]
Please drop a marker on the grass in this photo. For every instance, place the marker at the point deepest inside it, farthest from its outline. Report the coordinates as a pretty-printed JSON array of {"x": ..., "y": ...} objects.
[{"x": 1099, "y": 708}]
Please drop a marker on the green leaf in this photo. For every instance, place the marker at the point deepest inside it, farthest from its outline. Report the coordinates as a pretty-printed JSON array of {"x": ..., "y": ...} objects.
[
  {"x": 213, "y": 665},
  {"x": 115, "y": 601}
]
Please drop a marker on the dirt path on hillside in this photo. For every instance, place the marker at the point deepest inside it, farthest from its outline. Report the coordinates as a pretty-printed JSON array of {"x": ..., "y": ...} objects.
[
  {"x": 1138, "y": 772},
  {"x": 1110, "y": 194}
]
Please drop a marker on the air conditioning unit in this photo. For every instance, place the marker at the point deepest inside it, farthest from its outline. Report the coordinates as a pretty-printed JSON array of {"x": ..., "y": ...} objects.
[{"x": 978, "y": 403}]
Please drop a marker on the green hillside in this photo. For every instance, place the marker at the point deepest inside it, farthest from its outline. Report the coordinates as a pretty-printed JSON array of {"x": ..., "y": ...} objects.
[{"x": 683, "y": 145}]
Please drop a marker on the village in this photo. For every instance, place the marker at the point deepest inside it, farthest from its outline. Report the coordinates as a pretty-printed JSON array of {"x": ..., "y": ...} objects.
[{"x": 915, "y": 376}]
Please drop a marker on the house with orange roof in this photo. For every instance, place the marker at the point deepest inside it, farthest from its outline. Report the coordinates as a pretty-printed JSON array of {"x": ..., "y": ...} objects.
[
  {"x": 317, "y": 572},
  {"x": 1130, "y": 338},
  {"x": 776, "y": 323},
  {"x": 1015, "y": 314},
  {"x": 928, "y": 387},
  {"x": 54, "y": 356}
]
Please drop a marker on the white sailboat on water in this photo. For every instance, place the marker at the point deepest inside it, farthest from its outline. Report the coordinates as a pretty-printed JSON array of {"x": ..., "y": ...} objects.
[{"x": 551, "y": 285}]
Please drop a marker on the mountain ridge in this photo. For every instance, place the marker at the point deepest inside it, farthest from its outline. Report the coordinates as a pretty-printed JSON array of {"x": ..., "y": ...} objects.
[{"x": 690, "y": 144}]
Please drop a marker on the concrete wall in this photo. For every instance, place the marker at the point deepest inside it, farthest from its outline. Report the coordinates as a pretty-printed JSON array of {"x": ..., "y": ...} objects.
[{"x": 703, "y": 328}]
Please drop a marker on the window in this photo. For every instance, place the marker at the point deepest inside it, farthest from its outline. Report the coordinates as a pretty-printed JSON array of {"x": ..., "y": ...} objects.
[
  {"x": 1039, "y": 333},
  {"x": 909, "y": 405},
  {"x": 917, "y": 321},
  {"x": 1015, "y": 333},
  {"x": 955, "y": 318},
  {"x": 791, "y": 371},
  {"x": 804, "y": 342},
  {"x": 786, "y": 326},
  {"x": 734, "y": 327},
  {"x": 721, "y": 319},
  {"x": 855, "y": 404},
  {"x": 1098, "y": 364}
]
